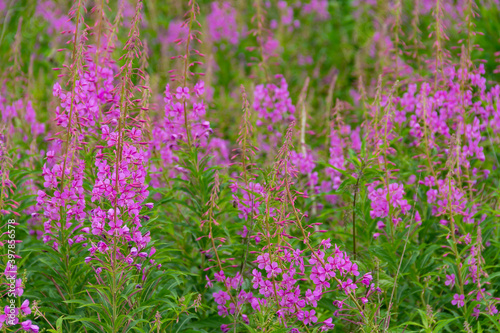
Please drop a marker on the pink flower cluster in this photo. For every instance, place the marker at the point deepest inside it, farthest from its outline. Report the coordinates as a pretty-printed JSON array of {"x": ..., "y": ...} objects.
[
  {"x": 54, "y": 16},
  {"x": 273, "y": 103},
  {"x": 293, "y": 282},
  {"x": 94, "y": 89},
  {"x": 171, "y": 132},
  {"x": 446, "y": 191},
  {"x": 23, "y": 111},
  {"x": 12, "y": 315},
  {"x": 382, "y": 198},
  {"x": 221, "y": 23},
  {"x": 248, "y": 198},
  {"x": 71, "y": 199}
]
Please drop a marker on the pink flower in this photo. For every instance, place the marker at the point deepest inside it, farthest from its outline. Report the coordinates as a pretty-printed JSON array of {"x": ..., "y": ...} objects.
[
  {"x": 199, "y": 88},
  {"x": 29, "y": 327},
  {"x": 418, "y": 219},
  {"x": 318, "y": 274},
  {"x": 266, "y": 288},
  {"x": 339, "y": 304},
  {"x": 326, "y": 243},
  {"x": 25, "y": 307},
  {"x": 468, "y": 239},
  {"x": 199, "y": 109},
  {"x": 10, "y": 271},
  {"x": 243, "y": 233},
  {"x": 348, "y": 285},
  {"x": 327, "y": 325},
  {"x": 310, "y": 317},
  {"x": 380, "y": 225},
  {"x": 272, "y": 270},
  {"x": 182, "y": 93},
  {"x": 219, "y": 276},
  {"x": 257, "y": 278},
  {"x": 367, "y": 278},
  {"x": 379, "y": 203},
  {"x": 209, "y": 282},
  {"x": 105, "y": 132},
  {"x": 263, "y": 260},
  {"x": 458, "y": 300},
  {"x": 221, "y": 297},
  {"x": 450, "y": 280},
  {"x": 18, "y": 291},
  {"x": 352, "y": 268}
]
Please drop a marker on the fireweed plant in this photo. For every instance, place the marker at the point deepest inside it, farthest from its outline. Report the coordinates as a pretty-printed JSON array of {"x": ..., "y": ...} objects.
[{"x": 208, "y": 166}]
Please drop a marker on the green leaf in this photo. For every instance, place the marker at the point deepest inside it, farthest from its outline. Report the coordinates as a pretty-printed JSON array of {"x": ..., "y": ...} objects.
[{"x": 442, "y": 323}]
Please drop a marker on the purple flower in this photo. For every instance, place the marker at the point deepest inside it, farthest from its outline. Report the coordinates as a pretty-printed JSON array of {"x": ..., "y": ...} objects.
[
  {"x": 10, "y": 271},
  {"x": 199, "y": 88},
  {"x": 348, "y": 285},
  {"x": 318, "y": 274},
  {"x": 352, "y": 268},
  {"x": 25, "y": 307},
  {"x": 182, "y": 93},
  {"x": 367, "y": 278},
  {"x": 450, "y": 280},
  {"x": 418, "y": 219},
  {"x": 29, "y": 327},
  {"x": 257, "y": 278},
  {"x": 338, "y": 304},
  {"x": 221, "y": 297},
  {"x": 266, "y": 288},
  {"x": 209, "y": 282},
  {"x": 476, "y": 312},
  {"x": 272, "y": 270},
  {"x": 327, "y": 325},
  {"x": 102, "y": 247},
  {"x": 243, "y": 233},
  {"x": 18, "y": 290},
  {"x": 458, "y": 300},
  {"x": 326, "y": 243},
  {"x": 222, "y": 310},
  {"x": 468, "y": 239},
  {"x": 304, "y": 162},
  {"x": 313, "y": 296},
  {"x": 220, "y": 276},
  {"x": 222, "y": 23},
  {"x": 379, "y": 203},
  {"x": 308, "y": 317},
  {"x": 263, "y": 260}
]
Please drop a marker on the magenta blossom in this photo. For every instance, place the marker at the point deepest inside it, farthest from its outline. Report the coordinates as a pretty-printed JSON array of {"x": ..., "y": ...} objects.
[
  {"x": 28, "y": 326},
  {"x": 458, "y": 300},
  {"x": 221, "y": 297},
  {"x": 182, "y": 93},
  {"x": 272, "y": 270},
  {"x": 450, "y": 280}
]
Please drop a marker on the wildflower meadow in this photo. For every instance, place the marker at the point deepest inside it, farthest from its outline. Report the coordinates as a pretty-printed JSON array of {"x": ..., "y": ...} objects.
[{"x": 249, "y": 166}]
